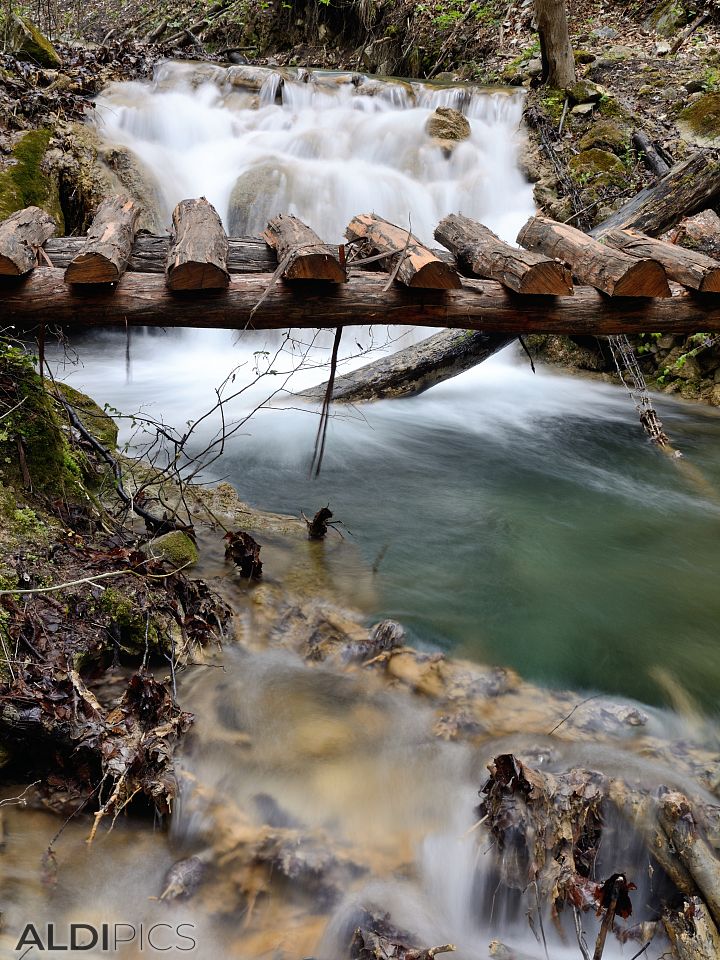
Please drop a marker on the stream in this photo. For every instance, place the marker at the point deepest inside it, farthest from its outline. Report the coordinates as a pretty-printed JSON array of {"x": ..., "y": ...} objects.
[{"x": 513, "y": 519}]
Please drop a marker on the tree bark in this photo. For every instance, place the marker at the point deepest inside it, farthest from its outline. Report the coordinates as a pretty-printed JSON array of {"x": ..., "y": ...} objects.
[
  {"x": 415, "y": 369},
  {"x": 653, "y": 160},
  {"x": 106, "y": 252},
  {"x": 556, "y": 51},
  {"x": 482, "y": 253},
  {"x": 308, "y": 258},
  {"x": 142, "y": 299},
  {"x": 197, "y": 259},
  {"x": 21, "y": 236},
  {"x": 690, "y": 186},
  {"x": 692, "y": 933},
  {"x": 419, "y": 267},
  {"x": 608, "y": 270},
  {"x": 693, "y": 270}
]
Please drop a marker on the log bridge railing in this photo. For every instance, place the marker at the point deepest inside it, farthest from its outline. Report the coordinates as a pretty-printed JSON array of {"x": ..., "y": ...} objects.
[{"x": 560, "y": 280}]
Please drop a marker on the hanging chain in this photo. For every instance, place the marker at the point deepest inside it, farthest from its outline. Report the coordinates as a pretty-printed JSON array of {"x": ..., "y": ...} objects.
[{"x": 631, "y": 376}]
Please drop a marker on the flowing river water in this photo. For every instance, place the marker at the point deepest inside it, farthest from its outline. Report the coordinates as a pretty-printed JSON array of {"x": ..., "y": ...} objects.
[{"x": 513, "y": 519}]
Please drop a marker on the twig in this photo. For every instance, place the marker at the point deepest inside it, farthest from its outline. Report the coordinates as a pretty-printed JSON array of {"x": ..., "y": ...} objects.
[
  {"x": 564, "y": 114},
  {"x": 576, "y": 707},
  {"x": 688, "y": 31},
  {"x": 400, "y": 260},
  {"x": 321, "y": 436},
  {"x": 99, "y": 576},
  {"x": 21, "y": 797},
  {"x": 580, "y": 935}
]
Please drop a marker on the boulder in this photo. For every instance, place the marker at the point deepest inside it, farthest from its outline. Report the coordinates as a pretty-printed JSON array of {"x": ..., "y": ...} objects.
[
  {"x": 606, "y": 135},
  {"x": 667, "y": 18},
  {"x": 176, "y": 548},
  {"x": 447, "y": 124},
  {"x": 700, "y": 122},
  {"x": 597, "y": 168},
  {"x": 259, "y": 194},
  {"x": 700, "y": 232},
  {"x": 139, "y": 182},
  {"x": 27, "y": 179},
  {"x": 27, "y": 43},
  {"x": 585, "y": 92}
]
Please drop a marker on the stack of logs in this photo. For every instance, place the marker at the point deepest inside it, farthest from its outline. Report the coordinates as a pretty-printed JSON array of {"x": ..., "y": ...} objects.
[{"x": 487, "y": 284}]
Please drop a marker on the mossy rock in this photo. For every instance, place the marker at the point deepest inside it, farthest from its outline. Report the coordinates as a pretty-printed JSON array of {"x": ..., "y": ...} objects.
[
  {"x": 597, "y": 168},
  {"x": 606, "y": 135},
  {"x": 667, "y": 18},
  {"x": 95, "y": 420},
  {"x": 25, "y": 183},
  {"x": 700, "y": 122},
  {"x": 53, "y": 468},
  {"x": 27, "y": 43},
  {"x": 135, "y": 628},
  {"x": 176, "y": 548},
  {"x": 585, "y": 92}
]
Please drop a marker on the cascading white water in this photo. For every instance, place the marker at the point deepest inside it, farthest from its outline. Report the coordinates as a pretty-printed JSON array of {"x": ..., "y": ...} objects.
[{"x": 324, "y": 150}]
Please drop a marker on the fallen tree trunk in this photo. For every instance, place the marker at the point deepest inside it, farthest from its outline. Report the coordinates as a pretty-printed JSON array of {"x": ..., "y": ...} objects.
[
  {"x": 301, "y": 252},
  {"x": 106, "y": 251},
  {"x": 197, "y": 259},
  {"x": 653, "y": 160},
  {"x": 417, "y": 368},
  {"x": 692, "y": 269},
  {"x": 21, "y": 235},
  {"x": 417, "y": 266},
  {"x": 479, "y": 250},
  {"x": 143, "y": 300},
  {"x": 689, "y": 187},
  {"x": 692, "y": 933},
  {"x": 609, "y": 270}
]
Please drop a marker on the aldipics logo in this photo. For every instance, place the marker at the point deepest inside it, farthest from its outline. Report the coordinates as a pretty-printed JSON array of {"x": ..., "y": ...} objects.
[{"x": 107, "y": 938}]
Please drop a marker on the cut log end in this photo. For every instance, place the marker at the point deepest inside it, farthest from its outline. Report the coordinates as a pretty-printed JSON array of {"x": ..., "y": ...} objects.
[
  {"x": 711, "y": 282},
  {"x": 92, "y": 268},
  {"x": 193, "y": 275},
  {"x": 645, "y": 278},
  {"x": 436, "y": 275},
  {"x": 8, "y": 268},
  {"x": 551, "y": 278},
  {"x": 316, "y": 266}
]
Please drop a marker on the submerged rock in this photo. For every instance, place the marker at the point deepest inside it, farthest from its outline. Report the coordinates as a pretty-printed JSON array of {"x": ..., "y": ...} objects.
[{"x": 259, "y": 194}]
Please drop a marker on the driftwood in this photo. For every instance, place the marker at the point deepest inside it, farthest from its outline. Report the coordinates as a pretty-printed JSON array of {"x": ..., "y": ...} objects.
[
  {"x": 143, "y": 300},
  {"x": 692, "y": 269},
  {"x": 481, "y": 252},
  {"x": 197, "y": 259},
  {"x": 417, "y": 266},
  {"x": 690, "y": 186},
  {"x": 417, "y": 368},
  {"x": 106, "y": 251},
  {"x": 21, "y": 235},
  {"x": 692, "y": 933},
  {"x": 613, "y": 272},
  {"x": 302, "y": 252}
]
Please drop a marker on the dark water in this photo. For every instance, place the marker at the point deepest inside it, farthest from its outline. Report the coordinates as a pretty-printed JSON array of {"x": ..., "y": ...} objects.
[{"x": 518, "y": 519}]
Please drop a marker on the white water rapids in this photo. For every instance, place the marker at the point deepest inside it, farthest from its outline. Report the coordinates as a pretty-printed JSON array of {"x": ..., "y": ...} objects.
[{"x": 506, "y": 477}]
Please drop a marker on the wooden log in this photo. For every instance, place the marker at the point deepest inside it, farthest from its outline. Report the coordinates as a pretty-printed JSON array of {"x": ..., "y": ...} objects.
[
  {"x": 481, "y": 252},
  {"x": 21, "y": 236},
  {"x": 690, "y": 186},
  {"x": 608, "y": 270},
  {"x": 302, "y": 251},
  {"x": 197, "y": 259},
  {"x": 419, "y": 267},
  {"x": 107, "y": 250},
  {"x": 142, "y": 299},
  {"x": 644, "y": 145},
  {"x": 417, "y": 368},
  {"x": 691, "y": 932},
  {"x": 692, "y": 269}
]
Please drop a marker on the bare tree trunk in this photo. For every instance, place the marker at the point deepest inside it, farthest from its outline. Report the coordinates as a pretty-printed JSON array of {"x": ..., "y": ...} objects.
[{"x": 557, "y": 55}]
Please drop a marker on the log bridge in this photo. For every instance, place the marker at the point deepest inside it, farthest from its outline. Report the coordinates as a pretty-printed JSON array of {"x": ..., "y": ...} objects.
[{"x": 558, "y": 280}]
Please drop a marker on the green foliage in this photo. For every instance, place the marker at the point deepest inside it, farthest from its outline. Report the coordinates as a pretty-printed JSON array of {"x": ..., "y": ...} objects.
[{"x": 446, "y": 13}]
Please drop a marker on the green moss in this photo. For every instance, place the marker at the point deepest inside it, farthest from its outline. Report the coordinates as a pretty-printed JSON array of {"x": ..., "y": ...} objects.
[
  {"x": 135, "y": 626},
  {"x": 29, "y": 44},
  {"x": 94, "y": 419},
  {"x": 702, "y": 119},
  {"x": 176, "y": 548},
  {"x": 668, "y": 17},
  {"x": 606, "y": 135},
  {"x": 553, "y": 103},
  {"x": 597, "y": 168},
  {"x": 25, "y": 184}
]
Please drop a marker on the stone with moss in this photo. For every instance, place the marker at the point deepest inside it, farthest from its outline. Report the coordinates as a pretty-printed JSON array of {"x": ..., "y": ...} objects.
[
  {"x": 26, "y": 182},
  {"x": 95, "y": 420},
  {"x": 606, "y": 135},
  {"x": 667, "y": 18},
  {"x": 700, "y": 122},
  {"x": 28, "y": 43},
  {"x": 135, "y": 628},
  {"x": 175, "y": 547},
  {"x": 597, "y": 168},
  {"x": 585, "y": 92}
]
